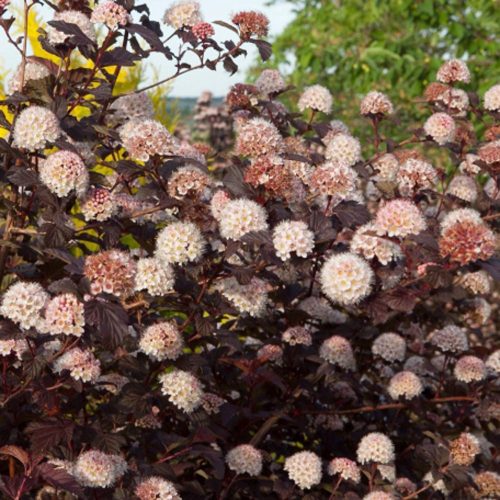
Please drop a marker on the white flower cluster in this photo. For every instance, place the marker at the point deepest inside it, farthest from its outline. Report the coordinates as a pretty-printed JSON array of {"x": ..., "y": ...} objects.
[
  {"x": 376, "y": 103},
  {"x": 365, "y": 242},
  {"x": 99, "y": 204},
  {"x": 375, "y": 447},
  {"x": 96, "y": 469},
  {"x": 245, "y": 459},
  {"x": 13, "y": 346},
  {"x": 33, "y": 71},
  {"x": 63, "y": 172},
  {"x": 405, "y": 384},
  {"x": 337, "y": 350},
  {"x": 184, "y": 13},
  {"x": 179, "y": 243},
  {"x": 460, "y": 215},
  {"x": 389, "y": 346},
  {"x": 343, "y": 149},
  {"x": 241, "y": 216},
  {"x": 346, "y": 278},
  {"x": 156, "y": 488},
  {"x": 270, "y": 81},
  {"x": 451, "y": 338},
  {"x": 35, "y": 127},
  {"x": 415, "y": 175},
  {"x": 56, "y": 37},
  {"x": 137, "y": 106},
  {"x": 162, "y": 341},
  {"x": 248, "y": 299},
  {"x": 64, "y": 315},
  {"x": 492, "y": 98},
  {"x": 111, "y": 14},
  {"x": 154, "y": 276},
  {"x": 493, "y": 361},
  {"x": 183, "y": 389},
  {"x": 470, "y": 369},
  {"x": 292, "y": 236},
  {"x": 304, "y": 469},
  {"x": 81, "y": 364},
  {"x": 399, "y": 218},
  {"x": 441, "y": 128},
  {"x": 317, "y": 98},
  {"x": 23, "y": 302},
  {"x": 347, "y": 469},
  {"x": 463, "y": 187},
  {"x": 297, "y": 335}
]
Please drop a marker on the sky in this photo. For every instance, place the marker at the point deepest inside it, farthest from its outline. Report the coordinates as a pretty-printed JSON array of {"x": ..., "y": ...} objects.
[{"x": 193, "y": 83}]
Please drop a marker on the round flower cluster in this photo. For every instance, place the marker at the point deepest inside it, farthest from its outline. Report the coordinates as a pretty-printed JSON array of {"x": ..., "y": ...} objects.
[
  {"x": 376, "y": 103},
  {"x": 111, "y": 14},
  {"x": 366, "y": 243},
  {"x": 477, "y": 282},
  {"x": 387, "y": 167},
  {"x": 492, "y": 98},
  {"x": 162, "y": 341},
  {"x": 218, "y": 202},
  {"x": 154, "y": 276},
  {"x": 251, "y": 23},
  {"x": 405, "y": 384},
  {"x": 460, "y": 215},
  {"x": 184, "y": 13},
  {"x": 23, "y": 302},
  {"x": 463, "y": 187},
  {"x": 317, "y": 98},
  {"x": 469, "y": 369},
  {"x": 464, "y": 449},
  {"x": 35, "y": 127},
  {"x": 346, "y": 278},
  {"x": 399, "y": 218},
  {"x": 450, "y": 338},
  {"x": 415, "y": 175},
  {"x": 320, "y": 309},
  {"x": 337, "y": 350},
  {"x": 241, "y": 216},
  {"x": 297, "y": 335},
  {"x": 183, "y": 389},
  {"x": 490, "y": 152},
  {"x": 441, "y": 128},
  {"x": 13, "y": 346},
  {"x": 179, "y": 243},
  {"x": 96, "y": 469},
  {"x": 292, "y": 236},
  {"x": 304, "y": 469},
  {"x": 137, "y": 106},
  {"x": 390, "y": 347},
  {"x": 465, "y": 242},
  {"x": 258, "y": 137},
  {"x": 33, "y": 71},
  {"x": 63, "y": 172},
  {"x": 270, "y": 81},
  {"x": 57, "y": 37},
  {"x": 347, "y": 469},
  {"x": 245, "y": 459},
  {"x": 81, "y": 364},
  {"x": 188, "y": 181},
  {"x": 453, "y": 71},
  {"x": 493, "y": 361},
  {"x": 143, "y": 138},
  {"x": 343, "y": 149},
  {"x": 203, "y": 30},
  {"x": 110, "y": 271},
  {"x": 99, "y": 204},
  {"x": 375, "y": 447},
  {"x": 250, "y": 299},
  {"x": 156, "y": 488},
  {"x": 64, "y": 315},
  {"x": 489, "y": 485},
  {"x": 335, "y": 180}
]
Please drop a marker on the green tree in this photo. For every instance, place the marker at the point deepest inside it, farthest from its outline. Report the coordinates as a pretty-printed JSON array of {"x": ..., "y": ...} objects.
[{"x": 395, "y": 46}]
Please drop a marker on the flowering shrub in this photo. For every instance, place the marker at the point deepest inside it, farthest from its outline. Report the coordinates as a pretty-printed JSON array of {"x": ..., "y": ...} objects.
[{"x": 301, "y": 316}]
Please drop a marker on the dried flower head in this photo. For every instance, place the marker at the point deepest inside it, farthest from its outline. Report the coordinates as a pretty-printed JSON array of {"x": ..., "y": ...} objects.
[
  {"x": 469, "y": 369},
  {"x": 99, "y": 204},
  {"x": 162, "y": 341},
  {"x": 245, "y": 459},
  {"x": 270, "y": 352},
  {"x": 492, "y": 98},
  {"x": 111, "y": 14},
  {"x": 465, "y": 242},
  {"x": 464, "y": 449},
  {"x": 337, "y": 350},
  {"x": 365, "y": 242},
  {"x": 34, "y": 127},
  {"x": 376, "y": 103},
  {"x": 56, "y": 37},
  {"x": 414, "y": 176},
  {"x": 292, "y": 236},
  {"x": 389, "y": 346},
  {"x": 154, "y": 276},
  {"x": 453, "y": 71},
  {"x": 143, "y": 138},
  {"x": 23, "y": 302},
  {"x": 490, "y": 152},
  {"x": 251, "y": 23},
  {"x": 460, "y": 215},
  {"x": 343, "y": 149},
  {"x": 156, "y": 488},
  {"x": 33, "y": 71},
  {"x": 441, "y": 128},
  {"x": 81, "y": 364},
  {"x": 95, "y": 469},
  {"x": 248, "y": 299},
  {"x": 183, "y": 389},
  {"x": 179, "y": 243},
  {"x": 347, "y": 469},
  {"x": 297, "y": 335},
  {"x": 405, "y": 384},
  {"x": 399, "y": 218},
  {"x": 110, "y": 271},
  {"x": 184, "y": 13},
  {"x": 270, "y": 81},
  {"x": 241, "y": 216},
  {"x": 64, "y": 315},
  {"x": 346, "y": 278},
  {"x": 317, "y": 98},
  {"x": 375, "y": 447},
  {"x": 258, "y": 137},
  {"x": 304, "y": 469},
  {"x": 477, "y": 282}
]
